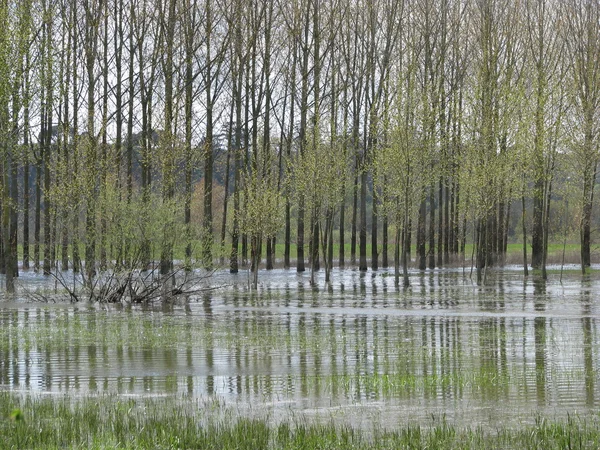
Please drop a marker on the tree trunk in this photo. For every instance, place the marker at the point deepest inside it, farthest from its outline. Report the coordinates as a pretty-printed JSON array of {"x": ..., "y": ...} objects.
[
  {"x": 127, "y": 257},
  {"x": 405, "y": 250},
  {"x": 441, "y": 229},
  {"x": 237, "y": 168},
  {"x": 397, "y": 255},
  {"x": 47, "y": 146},
  {"x": 225, "y": 187},
  {"x": 421, "y": 254},
  {"x": 384, "y": 243},
  {"x": 432, "y": 207},
  {"x": 362, "y": 265},
  {"x": 26, "y": 165},
  {"x": 525, "y": 264},
  {"x": 76, "y": 260},
  {"x": 354, "y": 217},
  {"x": 207, "y": 226},
  {"x": 374, "y": 255}
]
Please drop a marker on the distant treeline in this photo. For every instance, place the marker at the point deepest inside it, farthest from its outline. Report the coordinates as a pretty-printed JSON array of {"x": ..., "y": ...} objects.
[{"x": 421, "y": 121}]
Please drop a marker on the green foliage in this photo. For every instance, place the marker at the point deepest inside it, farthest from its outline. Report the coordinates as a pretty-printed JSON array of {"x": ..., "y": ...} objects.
[
  {"x": 16, "y": 415},
  {"x": 403, "y": 170},
  {"x": 111, "y": 422},
  {"x": 319, "y": 175},
  {"x": 263, "y": 213},
  {"x": 140, "y": 221}
]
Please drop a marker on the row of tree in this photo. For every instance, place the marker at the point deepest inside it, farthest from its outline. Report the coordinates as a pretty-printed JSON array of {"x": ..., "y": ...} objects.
[{"x": 422, "y": 119}]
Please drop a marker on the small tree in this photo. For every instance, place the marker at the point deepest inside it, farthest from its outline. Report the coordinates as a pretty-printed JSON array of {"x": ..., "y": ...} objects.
[
  {"x": 263, "y": 214},
  {"x": 318, "y": 177},
  {"x": 402, "y": 170}
]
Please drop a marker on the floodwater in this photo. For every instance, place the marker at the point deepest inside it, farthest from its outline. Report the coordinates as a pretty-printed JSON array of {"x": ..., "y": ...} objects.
[{"x": 360, "y": 352}]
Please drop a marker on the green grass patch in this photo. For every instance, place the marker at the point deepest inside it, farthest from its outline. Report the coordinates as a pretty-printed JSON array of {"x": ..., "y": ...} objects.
[{"x": 169, "y": 423}]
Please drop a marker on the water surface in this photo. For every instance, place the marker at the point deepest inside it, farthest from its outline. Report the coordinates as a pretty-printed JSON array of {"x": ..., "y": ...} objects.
[{"x": 360, "y": 351}]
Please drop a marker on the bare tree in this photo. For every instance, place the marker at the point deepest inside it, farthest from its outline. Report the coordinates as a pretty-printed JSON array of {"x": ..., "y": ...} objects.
[{"x": 582, "y": 38}]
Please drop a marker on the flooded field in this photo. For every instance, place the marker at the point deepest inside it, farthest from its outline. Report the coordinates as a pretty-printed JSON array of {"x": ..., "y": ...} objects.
[{"x": 360, "y": 352}]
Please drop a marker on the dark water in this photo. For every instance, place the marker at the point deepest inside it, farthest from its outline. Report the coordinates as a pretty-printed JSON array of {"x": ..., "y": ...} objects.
[{"x": 361, "y": 352}]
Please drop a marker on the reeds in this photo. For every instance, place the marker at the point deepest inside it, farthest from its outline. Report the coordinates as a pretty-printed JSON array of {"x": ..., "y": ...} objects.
[{"x": 168, "y": 423}]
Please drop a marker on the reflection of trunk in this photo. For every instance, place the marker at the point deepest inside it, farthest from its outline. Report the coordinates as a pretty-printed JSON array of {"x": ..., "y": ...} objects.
[
  {"x": 540, "y": 358},
  {"x": 588, "y": 360}
]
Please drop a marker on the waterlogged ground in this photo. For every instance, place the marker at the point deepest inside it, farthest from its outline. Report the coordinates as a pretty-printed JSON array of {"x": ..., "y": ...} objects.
[{"x": 360, "y": 352}]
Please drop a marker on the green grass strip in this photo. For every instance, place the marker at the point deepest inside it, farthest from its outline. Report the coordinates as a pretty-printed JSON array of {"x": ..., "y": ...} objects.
[{"x": 170, "y": 423}]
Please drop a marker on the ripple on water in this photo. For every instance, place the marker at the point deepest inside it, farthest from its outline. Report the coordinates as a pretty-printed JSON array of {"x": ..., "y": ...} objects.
[{"x": 361, "y": 351}]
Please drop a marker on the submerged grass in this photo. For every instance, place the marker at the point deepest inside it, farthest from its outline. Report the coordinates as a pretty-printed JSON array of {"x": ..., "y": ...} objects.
[{"x": 114, "y": 422}]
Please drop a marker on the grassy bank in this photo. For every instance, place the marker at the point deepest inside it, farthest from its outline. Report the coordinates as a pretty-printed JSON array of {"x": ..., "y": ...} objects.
[{"x": 113, "y": 422}]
